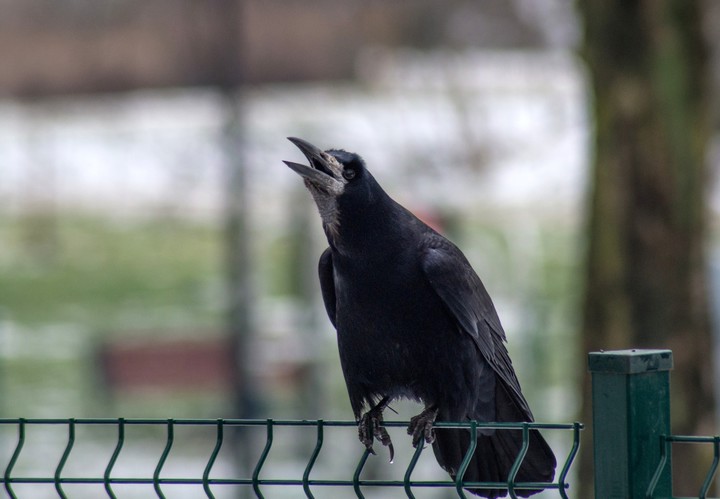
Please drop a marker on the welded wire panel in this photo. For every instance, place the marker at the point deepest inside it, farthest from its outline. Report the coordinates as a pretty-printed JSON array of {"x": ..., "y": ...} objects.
[
  {"x": 223, "y": 458},
  {"x": 666, "y": 442}
]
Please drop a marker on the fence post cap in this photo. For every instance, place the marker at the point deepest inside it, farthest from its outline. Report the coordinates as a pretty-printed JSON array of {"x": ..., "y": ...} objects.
[{"x": 633, "y": 361}]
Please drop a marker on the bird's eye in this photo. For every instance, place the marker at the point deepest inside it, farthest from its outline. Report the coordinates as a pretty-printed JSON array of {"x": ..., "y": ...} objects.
[{"x": 348, "y": 173}]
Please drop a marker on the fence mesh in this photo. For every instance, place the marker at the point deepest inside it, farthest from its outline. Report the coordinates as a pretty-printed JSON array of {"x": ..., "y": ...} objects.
[
  {"x": 666, "y": 442},
  {"x": 73, "y": 439}
]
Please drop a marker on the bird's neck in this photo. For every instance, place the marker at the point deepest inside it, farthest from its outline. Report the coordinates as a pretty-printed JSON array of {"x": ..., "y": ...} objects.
[{"x": 371, "y": 230}]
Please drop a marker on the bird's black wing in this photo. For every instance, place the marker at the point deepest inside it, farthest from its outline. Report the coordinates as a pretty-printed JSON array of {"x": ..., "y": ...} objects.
[
  {"x": 467, "y": 300},
  {"x": 327, "y": 284}
]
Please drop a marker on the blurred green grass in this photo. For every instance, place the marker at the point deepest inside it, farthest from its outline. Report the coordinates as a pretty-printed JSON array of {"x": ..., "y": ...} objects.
[
  {"x": 105, "y": 274},
  {"x": 70, "y": 282}
]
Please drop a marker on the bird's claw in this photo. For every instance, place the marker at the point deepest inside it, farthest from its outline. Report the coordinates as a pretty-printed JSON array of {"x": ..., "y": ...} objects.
[
  {"x": 371, "y": 427},
  {"x": 421, "y": 426}
]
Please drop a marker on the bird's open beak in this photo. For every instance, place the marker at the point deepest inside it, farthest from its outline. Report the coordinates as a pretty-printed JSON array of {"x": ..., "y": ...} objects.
[{"x": 322, "y": 170}]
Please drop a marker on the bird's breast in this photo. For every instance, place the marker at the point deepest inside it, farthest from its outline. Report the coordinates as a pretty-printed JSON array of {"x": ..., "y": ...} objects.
[
  {"x": 388, "y": 299},
  {"x": 390, "y": 324}
]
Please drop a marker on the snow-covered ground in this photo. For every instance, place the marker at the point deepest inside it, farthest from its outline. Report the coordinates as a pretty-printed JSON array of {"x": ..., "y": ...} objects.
[{"x": 454, "y": 130}]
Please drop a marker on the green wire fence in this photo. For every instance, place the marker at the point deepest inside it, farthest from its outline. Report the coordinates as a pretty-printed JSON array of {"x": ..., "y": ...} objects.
[
  {"x": 255, "y": 479},
  {"x": 665, "y": 454},
  {"x": 631, "y": 442}
]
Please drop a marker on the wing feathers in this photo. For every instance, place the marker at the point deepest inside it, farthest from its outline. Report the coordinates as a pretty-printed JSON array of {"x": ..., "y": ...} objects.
[
  {"x": 466, "y": 298},
  {"x": 327, "y": 284}
]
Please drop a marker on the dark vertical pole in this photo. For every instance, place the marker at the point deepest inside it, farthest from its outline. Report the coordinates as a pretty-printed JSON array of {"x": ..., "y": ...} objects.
[
  {"x": 239, "y": 287},
  {"x": 305, "y": 256},
  {"x": 240, "y": 292},
  {"x": 631, "y": 410},
  {"x": 230, "y": 76}
]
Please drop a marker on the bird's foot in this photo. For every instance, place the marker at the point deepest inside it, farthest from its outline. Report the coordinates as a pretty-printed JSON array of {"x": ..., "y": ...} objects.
[
  {"x": 371, "y": 427},
  {"x": 421, "y": 426}
]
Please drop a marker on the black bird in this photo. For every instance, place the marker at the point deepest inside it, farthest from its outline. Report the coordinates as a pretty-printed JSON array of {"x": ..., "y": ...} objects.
[{"x": 414, "y": 321}]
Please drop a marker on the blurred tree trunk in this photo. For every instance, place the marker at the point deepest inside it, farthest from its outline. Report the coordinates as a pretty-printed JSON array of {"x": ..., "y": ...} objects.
[{"x": 646, "y": 269}]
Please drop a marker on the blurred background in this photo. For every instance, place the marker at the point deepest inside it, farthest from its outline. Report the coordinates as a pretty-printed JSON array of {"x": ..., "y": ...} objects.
[{"x": 157, "y": 259}]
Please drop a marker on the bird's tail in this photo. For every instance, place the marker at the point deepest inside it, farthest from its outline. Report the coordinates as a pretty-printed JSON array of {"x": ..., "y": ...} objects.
[{"x": 494, "y": 457}]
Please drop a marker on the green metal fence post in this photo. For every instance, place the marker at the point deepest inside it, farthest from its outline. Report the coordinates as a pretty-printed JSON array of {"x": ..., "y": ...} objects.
[{"x": 631, "y": 410}]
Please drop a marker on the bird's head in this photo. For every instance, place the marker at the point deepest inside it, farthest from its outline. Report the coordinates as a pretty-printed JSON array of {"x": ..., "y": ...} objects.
[{"x": 331, "y": 175}]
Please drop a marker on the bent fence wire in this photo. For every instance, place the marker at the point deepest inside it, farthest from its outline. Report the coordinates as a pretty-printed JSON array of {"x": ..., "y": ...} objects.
[
  {"x": 666, "y": 451},
  {"x": 257, "y": 480}
]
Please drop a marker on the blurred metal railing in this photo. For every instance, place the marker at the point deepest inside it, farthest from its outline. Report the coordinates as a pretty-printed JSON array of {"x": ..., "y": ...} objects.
[{"x": 255, "y": 479}]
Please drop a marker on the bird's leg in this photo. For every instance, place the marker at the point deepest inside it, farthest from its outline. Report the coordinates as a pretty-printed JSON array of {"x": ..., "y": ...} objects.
[
  {"x": 421, "y": 426},
  {"x": 371, "y": 427}
]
